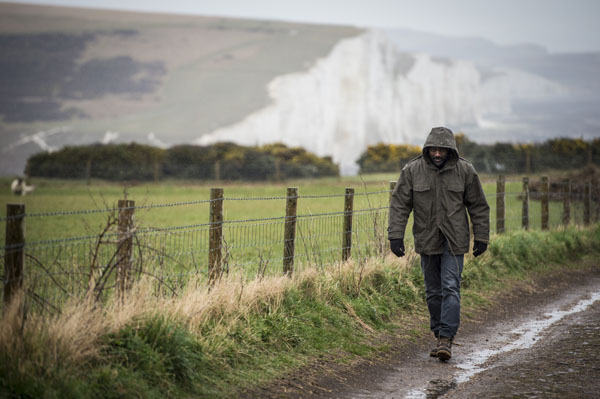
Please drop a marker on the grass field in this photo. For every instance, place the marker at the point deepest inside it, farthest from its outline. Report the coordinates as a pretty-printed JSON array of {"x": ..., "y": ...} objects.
[
  {"x": 216, "y": 342},
  {"x": 212, "y": 340},
  {"x": 66, "y": 195},
  {"x": 177, "y": 247}
]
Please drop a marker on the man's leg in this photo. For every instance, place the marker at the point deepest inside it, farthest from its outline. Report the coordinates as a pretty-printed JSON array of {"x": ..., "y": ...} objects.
[
  {"x": 450, "y": 270},
  {"x": 430, "y": 265}
]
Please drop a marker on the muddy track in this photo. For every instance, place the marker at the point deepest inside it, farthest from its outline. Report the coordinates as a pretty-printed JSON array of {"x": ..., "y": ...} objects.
[{"x": 533, "y": 342}]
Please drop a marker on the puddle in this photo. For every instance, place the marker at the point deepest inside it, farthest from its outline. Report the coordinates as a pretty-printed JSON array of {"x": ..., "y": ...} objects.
[
  {"x": 435, "y": 389},
  {"x": 527, "y": 335},
  {"x": 522, "y": 337}
]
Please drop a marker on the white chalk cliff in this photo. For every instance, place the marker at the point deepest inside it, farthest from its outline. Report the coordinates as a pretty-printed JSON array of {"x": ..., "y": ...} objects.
[{"x": 366, "y": 92}]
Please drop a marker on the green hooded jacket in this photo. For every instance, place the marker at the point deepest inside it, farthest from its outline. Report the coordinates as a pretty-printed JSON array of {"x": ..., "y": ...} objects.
[{"x": 440, "y": 200}]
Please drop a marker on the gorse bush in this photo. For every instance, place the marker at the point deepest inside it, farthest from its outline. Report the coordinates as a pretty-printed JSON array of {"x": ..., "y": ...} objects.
[
  {"x": 215, "y": 341},
  {"x": 565, "y": 153},
  {"x": 387, "y": 158},
  {"x": 222, "y": 161}
]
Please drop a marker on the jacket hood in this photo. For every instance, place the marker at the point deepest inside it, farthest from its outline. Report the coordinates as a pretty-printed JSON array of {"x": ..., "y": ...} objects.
[{"x": 441, "y": 137}]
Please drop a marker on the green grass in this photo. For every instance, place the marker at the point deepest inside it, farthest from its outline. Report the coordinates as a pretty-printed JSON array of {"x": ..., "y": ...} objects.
[
  {"x": 253, "y": 247},
  {"x": 160, "y": 353},
  {"x": 184, "y": 251},
  {"x": 65, "y": 195}
]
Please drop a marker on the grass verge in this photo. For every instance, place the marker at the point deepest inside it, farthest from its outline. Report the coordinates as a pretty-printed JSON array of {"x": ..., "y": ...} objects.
[{"x": 210, "y": 342}]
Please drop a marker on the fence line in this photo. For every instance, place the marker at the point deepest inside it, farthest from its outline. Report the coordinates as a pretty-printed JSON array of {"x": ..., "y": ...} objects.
[
  {"x": 174, "y": 204},
  {"x": 59, "y": 269}
]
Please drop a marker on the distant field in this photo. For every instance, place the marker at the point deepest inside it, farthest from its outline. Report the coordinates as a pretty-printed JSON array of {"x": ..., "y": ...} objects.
[
  {"x": 172, "y": 232},
  {"x": 64, "y": 195}
]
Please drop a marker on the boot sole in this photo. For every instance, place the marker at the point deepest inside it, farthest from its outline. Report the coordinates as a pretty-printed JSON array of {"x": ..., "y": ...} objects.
[{"x": 444, "y": 355}]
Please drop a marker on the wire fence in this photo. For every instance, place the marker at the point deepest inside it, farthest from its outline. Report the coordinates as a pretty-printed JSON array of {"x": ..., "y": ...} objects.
[{"x": 54, "y": 270}]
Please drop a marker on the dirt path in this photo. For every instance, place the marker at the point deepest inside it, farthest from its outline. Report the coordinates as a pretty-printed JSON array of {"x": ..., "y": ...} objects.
[
  {"x": 539, "y": 341},
  {"x": 563, "y": 365}
]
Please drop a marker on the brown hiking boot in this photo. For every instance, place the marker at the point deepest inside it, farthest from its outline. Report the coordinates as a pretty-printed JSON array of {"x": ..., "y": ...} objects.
[
  {"x": 433, "y": 351},
  {"x": 444, "y": 348}
]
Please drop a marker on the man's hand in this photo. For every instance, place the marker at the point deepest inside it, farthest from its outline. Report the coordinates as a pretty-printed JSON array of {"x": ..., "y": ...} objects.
[
  {"x": 479, "y": 247},
  {"x": 397, "y": 247}
]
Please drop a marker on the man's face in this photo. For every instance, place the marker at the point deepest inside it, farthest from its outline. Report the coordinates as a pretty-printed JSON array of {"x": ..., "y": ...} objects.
[{"x": 438, "y": 155}]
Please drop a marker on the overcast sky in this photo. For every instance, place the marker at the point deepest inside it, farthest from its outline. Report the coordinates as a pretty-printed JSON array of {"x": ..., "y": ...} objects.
[{"x": 558, "y": 25}]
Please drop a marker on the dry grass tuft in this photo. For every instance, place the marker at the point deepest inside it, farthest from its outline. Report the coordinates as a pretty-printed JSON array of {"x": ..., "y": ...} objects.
[
  {"x": 43, "y": 341},
  {"x": 74, "y": 336}
]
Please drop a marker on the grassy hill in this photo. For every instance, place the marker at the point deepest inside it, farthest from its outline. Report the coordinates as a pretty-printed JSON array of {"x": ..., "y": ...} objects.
[{"x": 85, "y": 72}]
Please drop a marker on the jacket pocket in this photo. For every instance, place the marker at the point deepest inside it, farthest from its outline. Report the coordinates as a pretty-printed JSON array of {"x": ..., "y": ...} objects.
[
  {"x": 422, "y": 205},
  {"x": 454, "y": 199},
  {"x": 421, "y": 187}
]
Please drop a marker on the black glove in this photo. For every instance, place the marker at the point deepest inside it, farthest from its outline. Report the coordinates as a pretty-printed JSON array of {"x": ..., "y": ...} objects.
[
  {"x": 479, "y": 247},
  {"x": 397, "y": 247}
]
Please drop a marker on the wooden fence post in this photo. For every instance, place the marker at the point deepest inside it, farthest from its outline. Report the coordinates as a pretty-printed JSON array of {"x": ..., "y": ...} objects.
[
  {"x": 545, "y": 207},
  {"x": 347, "y": 238},
  {"x": 567, "y": 202},
  {"x": 392, "y": 187},
  {"x": 215, "y": 242},
  {"x": 125, "y": 248},
  {"x": 587, "y": 204},
  {"x": 500, "y": 211},
  {"x": 13, "y": 251},
  {"x": 525, "y": 220},
  {"x": 289, "y": 237}
]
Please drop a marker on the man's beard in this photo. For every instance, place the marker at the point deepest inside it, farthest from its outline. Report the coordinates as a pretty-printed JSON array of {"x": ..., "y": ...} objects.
[{"x": 438, "y": 161}]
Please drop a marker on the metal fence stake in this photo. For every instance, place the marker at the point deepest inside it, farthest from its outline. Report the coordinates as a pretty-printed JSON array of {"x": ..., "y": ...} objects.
[
  {"x": 545, "y": 206},
  {"x": 215, "y": 243},
  {"x": 289, "y": 237},
  {"x": 347, "y": 237},
  {"x": 13, "y": 251}
]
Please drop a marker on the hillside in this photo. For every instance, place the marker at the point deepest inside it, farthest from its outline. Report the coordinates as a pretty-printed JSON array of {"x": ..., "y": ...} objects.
[{"x": 78, "y": 75}]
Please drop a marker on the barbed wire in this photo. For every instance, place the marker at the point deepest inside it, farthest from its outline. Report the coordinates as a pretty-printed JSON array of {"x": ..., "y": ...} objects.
[
  {"x": 251, "y": 246},
  {"x": 303, "y": 196},
  {"x": 57, "y": 213},
  {"x": 174, "y": 204}
]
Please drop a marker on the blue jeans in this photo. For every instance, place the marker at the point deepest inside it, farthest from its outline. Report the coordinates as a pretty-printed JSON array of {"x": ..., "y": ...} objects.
[{"x": 442, "y": 288}]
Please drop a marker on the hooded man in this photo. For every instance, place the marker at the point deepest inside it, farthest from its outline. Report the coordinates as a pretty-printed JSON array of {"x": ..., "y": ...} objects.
[{"x": 440, "y": 187}]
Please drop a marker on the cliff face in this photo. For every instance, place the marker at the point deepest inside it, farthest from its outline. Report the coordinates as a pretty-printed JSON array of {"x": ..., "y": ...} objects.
[
  {"x": 79, "y": 76},
  {"x": 366, "y": 91},
  {"x": 74, "y": 76}
]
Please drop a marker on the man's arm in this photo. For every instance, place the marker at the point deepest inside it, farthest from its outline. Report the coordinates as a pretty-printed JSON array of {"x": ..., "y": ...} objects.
[
  {"x": 478, "y": 208},
  {"x": 401, "y": 204}
]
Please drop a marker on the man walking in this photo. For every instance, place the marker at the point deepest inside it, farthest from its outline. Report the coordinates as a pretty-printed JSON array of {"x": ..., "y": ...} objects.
[{"x": 440, "y": 188}]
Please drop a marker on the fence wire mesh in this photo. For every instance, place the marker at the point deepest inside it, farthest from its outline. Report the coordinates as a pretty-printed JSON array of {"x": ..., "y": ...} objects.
[{"x": 58, "y": 269}]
